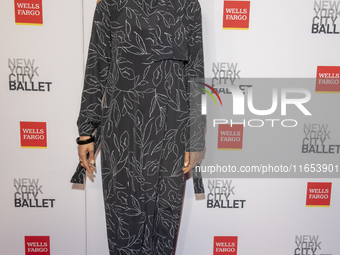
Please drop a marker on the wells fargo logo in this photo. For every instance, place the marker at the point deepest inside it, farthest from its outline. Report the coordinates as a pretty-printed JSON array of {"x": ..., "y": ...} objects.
[
  {"x": 236, "y": 15},
  {"x": 33, "y": 135},
  {"x": 28, "y": 12},
  {"x": 37, "y": 245},
  {"x": 318, "y": 194},
  {"x": 230, "y": 137},
  {"x": 328, "y": 79},
  {"x": 226, "y": 245}
]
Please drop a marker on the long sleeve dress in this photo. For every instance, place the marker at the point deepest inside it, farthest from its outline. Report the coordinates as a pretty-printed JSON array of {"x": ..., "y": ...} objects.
[{"x": 142, "y": 55}]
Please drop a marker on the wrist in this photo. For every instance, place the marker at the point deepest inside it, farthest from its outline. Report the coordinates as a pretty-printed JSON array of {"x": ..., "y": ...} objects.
[{"x": 84, "y": 140}]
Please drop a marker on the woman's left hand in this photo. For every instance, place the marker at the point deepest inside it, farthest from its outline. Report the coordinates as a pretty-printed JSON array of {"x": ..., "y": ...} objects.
[{"x": 191, "y": 159}]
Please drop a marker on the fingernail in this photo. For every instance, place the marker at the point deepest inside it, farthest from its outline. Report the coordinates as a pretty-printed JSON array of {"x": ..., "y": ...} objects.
[{"x": 185, "y": 163}]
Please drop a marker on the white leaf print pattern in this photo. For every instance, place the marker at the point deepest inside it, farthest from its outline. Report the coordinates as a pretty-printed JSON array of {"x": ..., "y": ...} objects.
[{"x": 142, "y": 54}]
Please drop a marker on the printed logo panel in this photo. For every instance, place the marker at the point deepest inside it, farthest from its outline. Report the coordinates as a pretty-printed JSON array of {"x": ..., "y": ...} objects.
[
  {"x": 308, "y": 244},
  {"x": 28, "y": 12},
  {"x": 222, "y": 192},
  {"x": 318, "y": 139},
  {"x": 225, "y": 245},
  {"x": 236, "y": 15},
  {"x": 328, "y": 79},
  {"x": 28, "y": 193},
  {"x": 325, "y": 19},
  {"x": 230, "y": 137},
  {"x": 318, "y": 194},
  {"x": 33, "y": 135},
  {"x": 24, "y": 76},
  {"x": 37, "y": 245}
]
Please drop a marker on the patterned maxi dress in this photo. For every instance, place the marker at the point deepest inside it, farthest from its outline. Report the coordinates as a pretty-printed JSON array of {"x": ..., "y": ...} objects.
[{"x": 141, "y": 57}]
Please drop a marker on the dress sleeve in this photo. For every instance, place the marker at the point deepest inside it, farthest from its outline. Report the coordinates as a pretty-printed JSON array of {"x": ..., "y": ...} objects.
[
  {"x": 195, "y": 76},
  {"x": 96, "y": 72}
]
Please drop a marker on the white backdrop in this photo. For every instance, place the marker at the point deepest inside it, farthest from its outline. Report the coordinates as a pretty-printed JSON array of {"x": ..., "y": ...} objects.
[
  {"x": 56, "y": 48},
  {"x": 278, "y": 44}
]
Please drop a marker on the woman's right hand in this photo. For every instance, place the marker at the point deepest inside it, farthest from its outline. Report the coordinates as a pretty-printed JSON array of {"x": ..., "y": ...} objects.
[{"x": 83, "y": 150}]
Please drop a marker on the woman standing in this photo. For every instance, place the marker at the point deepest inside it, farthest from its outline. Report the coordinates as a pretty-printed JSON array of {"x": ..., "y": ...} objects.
[{"x": 141, "y": 57}]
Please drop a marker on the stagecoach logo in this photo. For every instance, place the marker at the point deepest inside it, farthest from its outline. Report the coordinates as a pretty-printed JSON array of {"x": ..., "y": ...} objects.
[
  {"x": 37, "y": 245},
  {"x": 23, "y": 74},
  {"x": 318, "y": 194},
  {"x": 219, "y": 196},
  {"x": 225, "y": 245},
  {"x": 230, "y": 137},
  {"x": 328, "y": 79},
  {"x": 236, "y": 15},
  {"x": 28, "y": 194},
  {"x": 326, "y": 17},
  {"x": 28, "y": 12},
  {"x": 33, "y": 135}
]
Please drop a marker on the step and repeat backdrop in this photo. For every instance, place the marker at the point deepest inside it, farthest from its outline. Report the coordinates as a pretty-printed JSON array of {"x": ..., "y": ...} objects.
[{"x": 271, "y": 165}]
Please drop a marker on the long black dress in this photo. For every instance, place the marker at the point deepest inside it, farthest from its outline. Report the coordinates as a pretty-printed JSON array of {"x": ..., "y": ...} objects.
[{"x": 141, "y": 57}]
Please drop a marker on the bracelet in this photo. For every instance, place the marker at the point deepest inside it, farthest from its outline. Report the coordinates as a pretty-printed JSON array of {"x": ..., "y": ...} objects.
[{"x": 81, "y": 142}]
